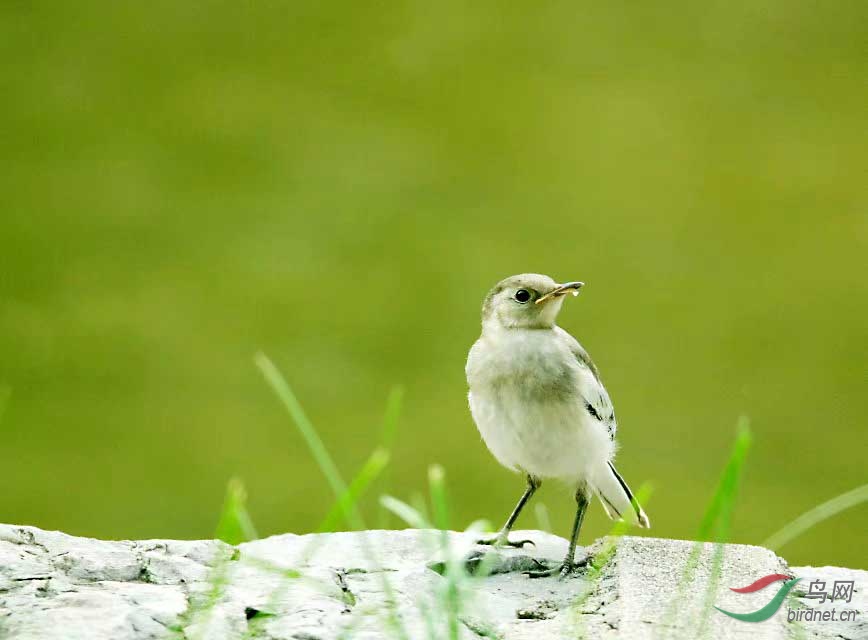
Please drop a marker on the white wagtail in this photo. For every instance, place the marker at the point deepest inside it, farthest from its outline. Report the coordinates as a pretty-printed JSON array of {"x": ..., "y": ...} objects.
[{"x": 540, "y": 406}]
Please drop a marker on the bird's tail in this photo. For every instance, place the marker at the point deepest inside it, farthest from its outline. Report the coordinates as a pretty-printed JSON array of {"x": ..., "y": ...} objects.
[{"x": 617, "y": 499}]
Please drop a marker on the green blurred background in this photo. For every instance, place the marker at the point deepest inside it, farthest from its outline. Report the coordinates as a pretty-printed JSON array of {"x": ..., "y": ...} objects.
[{"x": 184, "y": 184}]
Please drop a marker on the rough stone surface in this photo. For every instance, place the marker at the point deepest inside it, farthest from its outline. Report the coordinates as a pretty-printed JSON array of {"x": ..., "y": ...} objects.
[{"x": 384, "y": 584}]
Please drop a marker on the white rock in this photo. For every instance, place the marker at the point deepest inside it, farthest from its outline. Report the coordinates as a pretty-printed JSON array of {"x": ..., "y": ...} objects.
[{"x": 380, "y": 584}]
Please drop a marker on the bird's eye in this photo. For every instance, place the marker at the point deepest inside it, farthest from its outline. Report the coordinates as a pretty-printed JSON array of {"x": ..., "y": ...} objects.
[{"x": 522, "y": 296}]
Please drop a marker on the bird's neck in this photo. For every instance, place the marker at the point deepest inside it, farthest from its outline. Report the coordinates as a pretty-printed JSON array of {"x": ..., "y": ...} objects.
[{"x": 494, "y": 328}]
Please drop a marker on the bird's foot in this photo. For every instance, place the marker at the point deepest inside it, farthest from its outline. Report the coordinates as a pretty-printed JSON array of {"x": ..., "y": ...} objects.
[
  {"x": 503, "y": 541},
  {"x": 486, "y": 563},
  {"x": 562, "y": 570}
]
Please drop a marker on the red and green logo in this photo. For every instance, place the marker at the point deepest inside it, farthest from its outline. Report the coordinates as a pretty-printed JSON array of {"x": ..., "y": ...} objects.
[{"x": 772, "y": 607}]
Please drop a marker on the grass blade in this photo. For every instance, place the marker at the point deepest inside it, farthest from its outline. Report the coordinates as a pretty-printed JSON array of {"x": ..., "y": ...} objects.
[
  {"x": 816, "y": 515},
  {"x": 317, "y": 448},
  {"x": 235, "y": 525},
  {"x": 388, "y": 431},
  {"x": 478, "y": 526},
  {"x": 372, "y": 468},
  {"x": 439, "y": 502},
  {"x": 719, "y": 515},
  {"x": 405, "y": 512},
  {"x": 451, "y": 595},
  {"x": 348, "y": 507},
  {"x": 719, "y": 510}
]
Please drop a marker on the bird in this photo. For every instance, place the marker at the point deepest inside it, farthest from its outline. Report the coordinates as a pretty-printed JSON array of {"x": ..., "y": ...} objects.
[{"x": 541, "y": 408}]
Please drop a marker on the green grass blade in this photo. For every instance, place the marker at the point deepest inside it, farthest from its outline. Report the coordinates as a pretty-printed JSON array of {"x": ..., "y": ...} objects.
[
  {"x": 388, "y": 431},
  {"x": 417, "y": 502},
  {"x": 235, "y": 525},
  {"x": 816, "y": 515},
  {"x": 372, "y": 468},
  {"x": 405, "y": 512},
  {"x": 317, "y": 448},
  {"x": 478, "y": 526},
  {"x": 326, "y": 464},
  {"x": 439, "y": 502},
  {"x": 719, "y": 516},
  {"x": 450, "y": 596},
  {"x": 719, "y": 510}
]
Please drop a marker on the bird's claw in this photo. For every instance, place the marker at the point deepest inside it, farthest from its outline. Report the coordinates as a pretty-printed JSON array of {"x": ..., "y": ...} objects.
[
  {"x": 562, "y": 570},
  {"x": 504, "y": 542}
]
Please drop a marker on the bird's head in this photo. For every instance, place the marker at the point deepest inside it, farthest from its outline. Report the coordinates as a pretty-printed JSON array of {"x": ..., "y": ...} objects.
[{"x": 526, "y": 301}]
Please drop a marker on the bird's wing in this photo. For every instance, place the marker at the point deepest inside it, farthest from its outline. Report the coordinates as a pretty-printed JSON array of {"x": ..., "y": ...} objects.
[
  {"x": 598, "y": 404},
  {"x": 614, "y": 494}
]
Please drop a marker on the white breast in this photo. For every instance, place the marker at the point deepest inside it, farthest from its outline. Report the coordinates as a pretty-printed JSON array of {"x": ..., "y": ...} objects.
[{"x": 526, "y": 399}]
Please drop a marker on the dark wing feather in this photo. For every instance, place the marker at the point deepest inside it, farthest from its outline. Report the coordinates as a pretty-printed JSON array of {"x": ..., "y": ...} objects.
[{"x": 597, "y": 401}]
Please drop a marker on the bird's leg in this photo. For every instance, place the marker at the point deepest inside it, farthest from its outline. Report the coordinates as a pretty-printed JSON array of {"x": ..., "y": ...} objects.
[
  {"x": 569, "y": 564},
  {"x": 502, "y": 540}
]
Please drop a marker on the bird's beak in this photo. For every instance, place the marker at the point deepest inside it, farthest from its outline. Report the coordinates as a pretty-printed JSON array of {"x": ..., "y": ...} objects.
[{"x": 562, "y": 290}]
